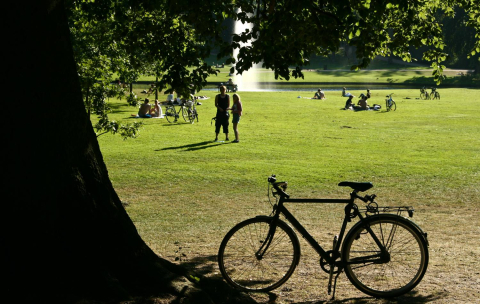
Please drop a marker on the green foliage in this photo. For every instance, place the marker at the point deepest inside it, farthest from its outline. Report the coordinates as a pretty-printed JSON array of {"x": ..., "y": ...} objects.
[
  {"x": 125, "y": 40},
  {"x": 287, "y": 33},
  {"x": 171, "y": 40}
]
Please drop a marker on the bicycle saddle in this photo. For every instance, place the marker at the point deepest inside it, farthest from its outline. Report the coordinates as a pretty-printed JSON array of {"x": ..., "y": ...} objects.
[{"x": 357, "y": 186}]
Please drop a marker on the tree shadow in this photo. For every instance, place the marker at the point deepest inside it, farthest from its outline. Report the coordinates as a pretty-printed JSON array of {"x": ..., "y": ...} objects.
[
  {"x": 207, "y": 266},
  {"x": 194, "y": 147}
]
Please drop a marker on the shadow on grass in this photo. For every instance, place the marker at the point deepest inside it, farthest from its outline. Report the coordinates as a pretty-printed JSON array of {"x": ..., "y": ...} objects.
[
  {"x": 197, "y": 146},
  {"x": 207, "y": 265}
]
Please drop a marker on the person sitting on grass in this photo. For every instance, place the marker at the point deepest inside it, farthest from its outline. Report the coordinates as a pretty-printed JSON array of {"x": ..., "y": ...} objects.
[
  {"x": 362, "y": 104},
  {"x": 349, "y": 103},
  {"x": 144, "y": 110},
  {"x": 171, "y": 98},
  {"x": 319, "y": 94},
  {"x": 156, "y": 111}
]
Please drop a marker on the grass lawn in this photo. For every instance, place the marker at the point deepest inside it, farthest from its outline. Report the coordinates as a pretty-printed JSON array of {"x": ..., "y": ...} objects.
[
  {"x": 184, "y": 192},
  {"x": 420, "y": 76}
]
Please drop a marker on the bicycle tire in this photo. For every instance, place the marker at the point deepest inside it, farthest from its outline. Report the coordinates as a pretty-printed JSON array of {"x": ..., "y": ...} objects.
[
  {"x": 393, "y": 106},
  {"x": 408, "y": 256},
  {"x": 388, "y": 105},
  {"x": 422, "y": 96},
  {"x": 437, "y": 95},
  {"x": 191, "y": 115},
  {"x": 185, "y": 114},
  {"x": 171, "y": 114},
  {"x": 241, "y": 268}
]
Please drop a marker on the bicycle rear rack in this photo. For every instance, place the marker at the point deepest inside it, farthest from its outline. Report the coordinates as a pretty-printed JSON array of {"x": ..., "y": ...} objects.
[{"x": 373, "y": 209}]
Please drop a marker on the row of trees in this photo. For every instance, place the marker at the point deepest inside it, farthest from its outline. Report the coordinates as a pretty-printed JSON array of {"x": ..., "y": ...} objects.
[
  {"x": 170, "y": 40},
  {"x": 65, "y": 235}
]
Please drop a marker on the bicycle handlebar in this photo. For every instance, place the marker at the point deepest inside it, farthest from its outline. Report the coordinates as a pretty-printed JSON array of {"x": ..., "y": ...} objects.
[{"x": 279, "y": 186}]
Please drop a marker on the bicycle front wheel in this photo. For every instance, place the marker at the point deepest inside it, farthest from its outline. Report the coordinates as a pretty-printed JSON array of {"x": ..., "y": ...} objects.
[
  {"x": 170, "y": 114},
  {"x": 394, "y": 274},
  {"x": 244, "y": 269},
  {"x": 393, "y": 106}
]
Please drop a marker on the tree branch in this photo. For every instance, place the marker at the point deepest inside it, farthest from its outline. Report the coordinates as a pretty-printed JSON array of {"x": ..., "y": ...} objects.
[{"x": 325, "y": 13}]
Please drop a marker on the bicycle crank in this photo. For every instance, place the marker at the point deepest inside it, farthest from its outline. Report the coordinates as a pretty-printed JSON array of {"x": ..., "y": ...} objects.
[{"x": 326, "y": 266}]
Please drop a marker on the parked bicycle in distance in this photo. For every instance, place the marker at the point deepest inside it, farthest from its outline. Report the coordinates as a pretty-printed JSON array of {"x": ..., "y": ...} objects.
[
  {"x": 390, "y": 103},
  {"x": 187, "y": 110},
  {"x": 383, "y": 255},
  {"x": 434, "y": 94},
  {"x": 424, "y": 94}
]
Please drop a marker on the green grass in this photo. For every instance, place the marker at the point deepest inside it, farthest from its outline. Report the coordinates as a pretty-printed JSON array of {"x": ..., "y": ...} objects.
[
  {"x": 314, "y": 139},
  {"x": 184, "y": 191},
  {"x": 419, "y": 76}
]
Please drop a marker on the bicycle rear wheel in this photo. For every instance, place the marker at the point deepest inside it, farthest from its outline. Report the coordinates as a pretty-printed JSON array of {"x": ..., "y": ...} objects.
[
  {"x": 191, "y": 115},
  {"x": 171, "y": 114},
  {"x": 406, "y": 262},
  {"x": 238, "y": 261}
]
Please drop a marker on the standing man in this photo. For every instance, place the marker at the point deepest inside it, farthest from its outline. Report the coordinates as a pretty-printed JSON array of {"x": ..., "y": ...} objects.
[{"x": 222, "y": 103}]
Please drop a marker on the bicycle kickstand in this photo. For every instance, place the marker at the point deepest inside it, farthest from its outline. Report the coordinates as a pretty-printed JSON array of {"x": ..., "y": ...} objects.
[
  {"x": 335, "y": 284},
  {"x": 332, "y": 270}
]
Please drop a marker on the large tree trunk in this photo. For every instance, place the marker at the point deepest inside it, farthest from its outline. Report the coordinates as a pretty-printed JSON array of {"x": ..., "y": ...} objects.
[
  {"x": 64, "y": 229},
  {"x": 64, "y": 232}
]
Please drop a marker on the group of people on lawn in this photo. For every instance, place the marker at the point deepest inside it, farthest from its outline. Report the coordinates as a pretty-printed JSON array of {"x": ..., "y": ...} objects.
[
  {"x": 362, "y": 103},
  {"x": 222, "y": 103},
  {"x": 147, "y": 111}
]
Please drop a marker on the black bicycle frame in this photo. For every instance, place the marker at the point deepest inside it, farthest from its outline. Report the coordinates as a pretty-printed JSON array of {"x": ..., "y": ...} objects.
[{"x": 281, "y": 209}]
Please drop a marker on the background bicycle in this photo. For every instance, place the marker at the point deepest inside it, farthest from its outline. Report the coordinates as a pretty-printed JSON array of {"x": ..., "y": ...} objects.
[
  {"x": 435, "y": 94},
  {"x": 390, "y": 103},
  {"x": 187, "y": 110},
  {"x": 424, "y": 94}
]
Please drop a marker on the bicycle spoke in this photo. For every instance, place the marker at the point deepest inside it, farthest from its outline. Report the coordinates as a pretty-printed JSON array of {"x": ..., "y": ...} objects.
[
  {"x": 399, "y": 273},
  {"x": 239, "y": 263}
]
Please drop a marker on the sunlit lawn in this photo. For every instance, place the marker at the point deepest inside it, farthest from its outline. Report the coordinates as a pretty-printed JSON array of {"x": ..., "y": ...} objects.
[{"x": 184, "y": 191}]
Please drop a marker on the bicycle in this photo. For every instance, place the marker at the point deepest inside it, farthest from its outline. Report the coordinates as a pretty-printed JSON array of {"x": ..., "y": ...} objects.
[
  {"x": 434, "y": 94},
  {"x": 383, "y": 255},
  {"x": 424, "y": 94},
  {"x": 192, "y": 111},
  {"x": 172, "y": 115},
  {"x": 390, "y": 103}
]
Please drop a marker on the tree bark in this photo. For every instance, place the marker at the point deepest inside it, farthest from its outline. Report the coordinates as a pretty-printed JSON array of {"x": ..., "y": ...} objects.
[{"x": 64, "y": 233}]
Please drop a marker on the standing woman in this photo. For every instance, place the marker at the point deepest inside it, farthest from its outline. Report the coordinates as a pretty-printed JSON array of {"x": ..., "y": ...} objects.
[
  {"x": 236, "y": 113},
  {"x": 222, "y": 103}
]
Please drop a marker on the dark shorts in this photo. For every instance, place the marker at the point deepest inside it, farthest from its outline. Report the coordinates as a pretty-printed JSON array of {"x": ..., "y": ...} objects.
[
  {"x": 235, "y": 118},
  {"x": 221, "y": 121}
]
